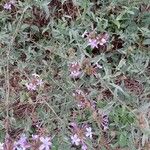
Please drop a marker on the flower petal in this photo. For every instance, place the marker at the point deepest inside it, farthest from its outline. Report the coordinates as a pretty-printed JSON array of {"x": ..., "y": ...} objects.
[{"x": 42, "y": 147}]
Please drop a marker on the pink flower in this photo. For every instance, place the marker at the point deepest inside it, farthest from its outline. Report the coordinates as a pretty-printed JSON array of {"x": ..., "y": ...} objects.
[
  {"x": 21, "y": 143},
  {"x": 74, "y": 69},
  {"x": 34, "y": 82},
  {"x": 93, "y": 43},
  {"x": 35, "y": 75},
  {"x": 103, "y": 41},
  {"x": 75, "y": 74},
  {"x": 46, "y": 143},
  {"x": 7, "y": 6},
  {"x": 81, "y": 105},
  {"x": 98, "y": 66},
  {"x": 89, "y": 132},
  {"x": 84, "y": 147},
  {"x": 103, "y": 38},
  {"x": 39, "y": 82},
  {"x": 31, "y": 86},
  {"x": 35, "y": 137},
  {"x": 1, "y": 146},
  {"x": 75, "y": 140}
]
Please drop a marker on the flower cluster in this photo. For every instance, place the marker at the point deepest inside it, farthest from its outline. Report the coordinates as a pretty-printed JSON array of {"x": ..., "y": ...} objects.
[
  {"x": 95, "y": 40},
  {"x": 82, "y": 101},
  {"x": 9, "y": 4},
  {"x": 45, "y": 142},
  {"x": 75, "y": 70},
  {"x": 80, "y": 134},
  {"x": 90, "y": 68},
  {"x": 23, "y": 144},
  {"x": 34, "y": 82}
]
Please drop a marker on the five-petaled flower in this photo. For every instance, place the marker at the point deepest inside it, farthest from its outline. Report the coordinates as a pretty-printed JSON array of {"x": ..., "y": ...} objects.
[
  {"x": 93, "y": 43},
  {"x": 21, "y": 144},
  {"x": 39, "y": 82},
  {"x": 75, "y": 140},
  {"x": 46, "y": 143},
  {"x": 89, "y": 132}
]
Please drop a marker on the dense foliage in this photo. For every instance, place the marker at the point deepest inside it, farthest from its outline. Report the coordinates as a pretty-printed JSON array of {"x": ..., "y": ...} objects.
[{"x": 74, "y": 74}]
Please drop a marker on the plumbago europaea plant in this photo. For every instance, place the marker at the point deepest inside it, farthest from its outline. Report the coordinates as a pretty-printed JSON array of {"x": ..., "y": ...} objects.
[{"x": 74, "y": 75}]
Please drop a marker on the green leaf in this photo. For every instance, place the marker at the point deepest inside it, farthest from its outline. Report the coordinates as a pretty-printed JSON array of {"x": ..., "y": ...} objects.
[
  {"x": 130, "y": 12},
  {"x": 35, "y": 28},
  {"x": 123, "y": 139},
  {"x": 146, "y": 42},
  {"x": 117, "y": 23},
  {"x": 121, "y": 64},
  {"x": 24, "y": 26},
  {"x": 120, "y": 16}
]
